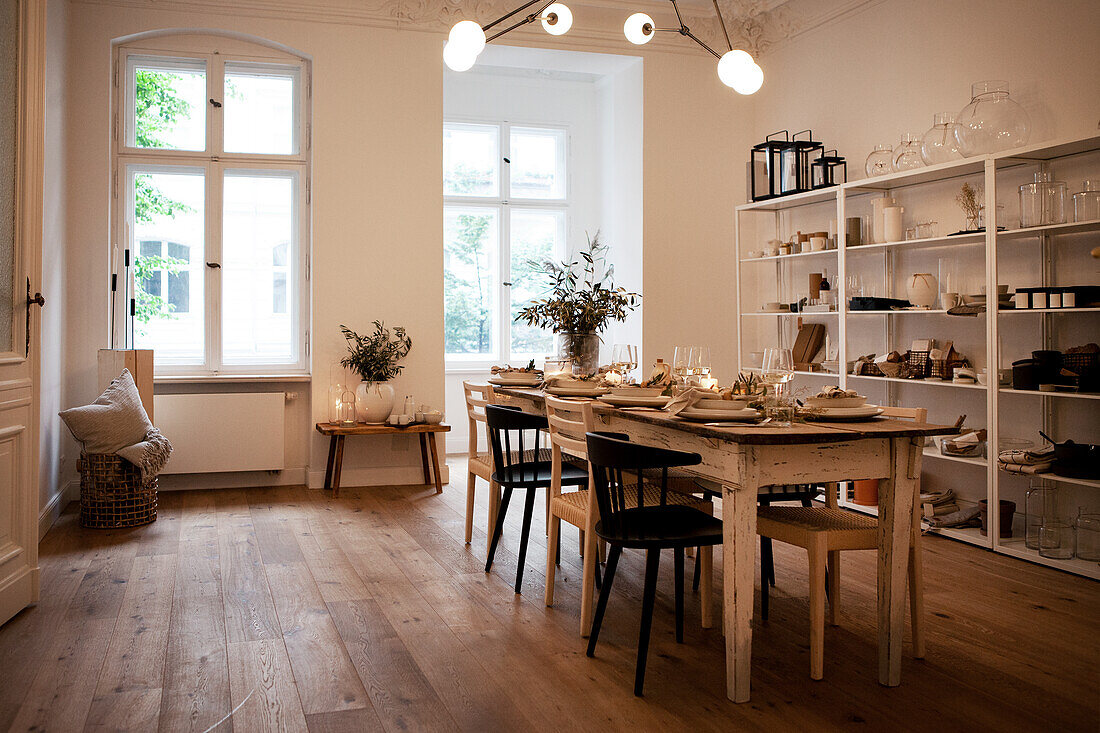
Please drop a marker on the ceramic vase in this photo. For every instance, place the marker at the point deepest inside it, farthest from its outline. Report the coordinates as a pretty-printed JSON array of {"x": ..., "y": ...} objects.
[
  {"x": 922, "y": 290},
  {"x": 374, "y": 402}
]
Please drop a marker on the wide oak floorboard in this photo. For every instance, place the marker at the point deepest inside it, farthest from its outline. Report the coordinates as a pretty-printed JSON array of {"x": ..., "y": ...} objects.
[{"x": 370, "y": 613}]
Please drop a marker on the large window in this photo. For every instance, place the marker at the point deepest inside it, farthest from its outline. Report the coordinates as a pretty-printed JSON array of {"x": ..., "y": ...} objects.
[
  {"x": 212, "y": 196},
  {"x": 506, "y": 204}
]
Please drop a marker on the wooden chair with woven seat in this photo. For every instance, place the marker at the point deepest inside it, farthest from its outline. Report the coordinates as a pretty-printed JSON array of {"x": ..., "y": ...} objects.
[
  {"x": 825, "y": 532},
  {"x": 478, "y": 464},
  {"x": 569, "y": 421}
]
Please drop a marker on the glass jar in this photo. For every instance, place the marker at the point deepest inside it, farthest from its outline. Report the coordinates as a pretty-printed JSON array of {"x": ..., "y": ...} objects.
[
  {"x": 346, "y": 408},
  {"x": 992, "y": 122},
  {"x": 939, "y": 144},
  {"x": 337, "y": 382},
  {"x": 1056, "y": 540},
  {"x": 1086, "y": 204},
  {"x": 880, "y": 161},
  {"x": 1087, "y": 531},
  {"x": 1038, "y": 505},
  {"x": 1042, "y": 202},
  {"x": 907, "y": 155},
  {"x": 999, "y": 217}
]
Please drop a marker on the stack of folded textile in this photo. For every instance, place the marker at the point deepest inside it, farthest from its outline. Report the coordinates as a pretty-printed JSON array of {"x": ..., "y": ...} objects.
[
  {"x": 937, "y": 503},
  {"x": 1026, "y": 461}
]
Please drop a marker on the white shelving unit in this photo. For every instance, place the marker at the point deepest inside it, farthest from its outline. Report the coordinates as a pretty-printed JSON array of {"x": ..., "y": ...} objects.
[{"x": 1011, "y": 256}]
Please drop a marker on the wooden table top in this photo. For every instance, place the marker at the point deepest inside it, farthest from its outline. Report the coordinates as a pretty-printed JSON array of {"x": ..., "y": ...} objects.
[
  {"x": 818, "y": 431},
  {"x": 325, "y": 428}
]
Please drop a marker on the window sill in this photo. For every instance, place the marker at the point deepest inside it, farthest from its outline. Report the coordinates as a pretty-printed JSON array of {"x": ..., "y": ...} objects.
[{"x": 229, "y": 378}]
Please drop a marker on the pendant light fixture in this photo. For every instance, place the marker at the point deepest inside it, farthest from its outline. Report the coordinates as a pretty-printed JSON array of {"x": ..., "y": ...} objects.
[
  {"x": 467, "y": 39},
  {"x": 736, "y": 68}
]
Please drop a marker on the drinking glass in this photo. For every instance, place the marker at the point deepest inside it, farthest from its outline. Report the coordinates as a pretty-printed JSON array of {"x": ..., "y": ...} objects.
[
  {"x": 778, "y": 371},
  {"x": 680, "y": 358},
  {"x": 1056, "y": 540},
  {"x": 624, "y": 359},
  {"x": 699, "y": 361}
]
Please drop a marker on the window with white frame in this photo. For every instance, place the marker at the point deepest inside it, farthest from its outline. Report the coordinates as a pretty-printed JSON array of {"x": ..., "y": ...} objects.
[
  {"x": 211, "y": 198},
  {"x": 506, "y": 205}
]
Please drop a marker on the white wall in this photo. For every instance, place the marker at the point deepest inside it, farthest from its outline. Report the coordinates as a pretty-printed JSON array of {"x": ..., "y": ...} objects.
[
  {"x": 52, "y": 474},
  {"x": 377, "y": 120}
]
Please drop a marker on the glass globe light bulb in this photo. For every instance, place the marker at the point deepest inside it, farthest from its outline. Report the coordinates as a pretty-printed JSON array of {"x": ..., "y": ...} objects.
[
  {"x": 456, "y": 58},
  {"x": 467, "y": 38},
  {"x": 635, "y": 29},
  {"x": 750, "y": 81},
  {"x": 733, "y": 66},
  {"x": 563, "y": 21}
]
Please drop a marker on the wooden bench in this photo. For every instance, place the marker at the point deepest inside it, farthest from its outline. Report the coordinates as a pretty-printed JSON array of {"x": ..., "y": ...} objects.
[{"x": 337, "y": 433}]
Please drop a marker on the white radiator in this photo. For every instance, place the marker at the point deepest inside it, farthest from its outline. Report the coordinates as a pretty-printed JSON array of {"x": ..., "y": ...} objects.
[{"x": 212, "y": 433}]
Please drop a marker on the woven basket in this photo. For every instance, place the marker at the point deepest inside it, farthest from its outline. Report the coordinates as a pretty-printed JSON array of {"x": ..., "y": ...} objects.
[
  {"x": 941, "y": 369},
  {"x": 917, "y": 365},
  {"x": 112, "y": 494}
]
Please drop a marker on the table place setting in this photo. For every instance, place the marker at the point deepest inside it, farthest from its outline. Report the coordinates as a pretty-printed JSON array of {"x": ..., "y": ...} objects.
[{"x": 508, "y": 376}]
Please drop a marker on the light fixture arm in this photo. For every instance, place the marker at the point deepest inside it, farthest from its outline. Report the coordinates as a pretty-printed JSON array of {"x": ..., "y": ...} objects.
[
  {"x": 683, "y": 30},
  {"x": 537, "y": 15},
  {"x": 722, "y": 20}
]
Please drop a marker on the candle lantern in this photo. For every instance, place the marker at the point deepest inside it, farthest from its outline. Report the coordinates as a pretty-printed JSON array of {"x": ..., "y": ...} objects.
[
  {"x": 766, "y": 166},
  {"x": 345, "y": 408},
  {"x": 829, "y": 170},
  {"x": 800, "y": 158}
]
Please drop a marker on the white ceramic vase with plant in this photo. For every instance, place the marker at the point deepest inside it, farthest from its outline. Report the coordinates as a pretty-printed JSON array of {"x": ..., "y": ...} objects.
[{"x": 374, "y": 357}]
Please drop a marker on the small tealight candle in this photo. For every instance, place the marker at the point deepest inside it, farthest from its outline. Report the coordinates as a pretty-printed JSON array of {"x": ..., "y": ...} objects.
[
  {"x": 613, "y": 378},
  {"x": 708, "y": 382}
]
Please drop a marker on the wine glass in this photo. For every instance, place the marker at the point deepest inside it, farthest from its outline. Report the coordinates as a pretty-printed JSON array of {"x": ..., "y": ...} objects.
[
  {"x": 624, "y": 359},
  {"x": 699, "y": 361},
  {"x": 680, "y": 359}
]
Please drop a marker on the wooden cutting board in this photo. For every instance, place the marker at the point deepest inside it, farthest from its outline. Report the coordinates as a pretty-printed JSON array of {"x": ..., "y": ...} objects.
[{"x": 810, "y": 338}]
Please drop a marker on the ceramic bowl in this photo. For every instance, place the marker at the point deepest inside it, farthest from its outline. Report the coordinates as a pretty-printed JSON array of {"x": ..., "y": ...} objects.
[
  {"x": 734, "y": 404},
  {"x": 857, "y": 401},
  {"x": 637, "y": 391},
  {"x": 433, "y": 417}
]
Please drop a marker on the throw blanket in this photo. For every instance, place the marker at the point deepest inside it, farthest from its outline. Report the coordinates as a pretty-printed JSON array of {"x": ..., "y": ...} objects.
[
  {"x": 1026, "y": 461},
  {"x": 150, "y": 455}
]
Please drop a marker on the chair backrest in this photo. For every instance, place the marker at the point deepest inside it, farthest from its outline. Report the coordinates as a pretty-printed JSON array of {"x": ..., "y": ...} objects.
[
  {"x": 477, "y": 397},
  {"x": 617, "y": 464},
  {"x": 917, "y": 414},
  {"x": 569, "y": 420},
  {"x": 515, "y": 439}
]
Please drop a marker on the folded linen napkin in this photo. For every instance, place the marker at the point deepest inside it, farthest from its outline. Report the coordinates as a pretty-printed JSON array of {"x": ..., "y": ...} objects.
[
  {"x": 1028, "y": 469},
  {"x": 688, "y": 398},
  {"x": 968, "y": 517},
  {"x": 1026, "y": 457},
  {"x": 150, "y": 455}
]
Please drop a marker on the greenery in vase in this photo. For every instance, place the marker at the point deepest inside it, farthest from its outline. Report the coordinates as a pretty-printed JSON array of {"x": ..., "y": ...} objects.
[
  {"x": 967, "y": 199},
  {"x": 374, "y": 357},
  {"x": 582, "y": 297}
]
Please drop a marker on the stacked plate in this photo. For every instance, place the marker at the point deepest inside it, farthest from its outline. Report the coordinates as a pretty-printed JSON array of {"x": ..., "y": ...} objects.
[
  {"x": 516, "y": 379},
  {"x": 576, "y": 388},
  {"x": 720, "y": 411},
  {"x": 635, "y": 397}
]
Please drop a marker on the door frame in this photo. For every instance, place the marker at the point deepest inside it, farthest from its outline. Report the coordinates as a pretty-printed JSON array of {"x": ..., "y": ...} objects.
[{"x": 19, "y": 376}]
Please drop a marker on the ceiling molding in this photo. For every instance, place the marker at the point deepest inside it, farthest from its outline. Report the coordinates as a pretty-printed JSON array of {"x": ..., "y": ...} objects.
[{"x": 754, "y": 25}]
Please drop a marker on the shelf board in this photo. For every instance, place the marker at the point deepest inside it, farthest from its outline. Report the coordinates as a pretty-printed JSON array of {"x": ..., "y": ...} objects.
[
  {"x": 975, "y": 238},
  {"x": 1073, "y": 227},
  {"x": 1048, "y": 150},
  {"x": 1017, "y": 547},
  {"x": 926, "y": 382},
  {"x": 789, "y": 313},
  {"x": 930, "y": 452},
  {"x": 1035, "y": 392},
  {"x": 771, "y": 258},
  {"x": 798, "y": 374},
  {"x": 1056, "y": 478},
  {"x": 791, "y": 201},
  {"x": 925, "y": 174},
  {"x": 1050, "y": 310},
  {"x": 904, "y": 312},
  {"x": 970, "y": 535}
]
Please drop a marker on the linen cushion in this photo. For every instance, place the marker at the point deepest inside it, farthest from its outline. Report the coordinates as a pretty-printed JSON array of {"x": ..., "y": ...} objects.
[{"x": 115, "y": 420}]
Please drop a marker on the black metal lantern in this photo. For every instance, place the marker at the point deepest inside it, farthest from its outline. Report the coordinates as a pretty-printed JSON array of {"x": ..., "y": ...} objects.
[
  {"x": 828, "y": 170},
  {"x": 766, "y": 165},
  {"x": 798, "y": 161}
]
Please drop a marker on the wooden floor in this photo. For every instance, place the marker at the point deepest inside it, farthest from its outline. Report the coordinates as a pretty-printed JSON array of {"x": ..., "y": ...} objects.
[{"x": 369, "y": 613}]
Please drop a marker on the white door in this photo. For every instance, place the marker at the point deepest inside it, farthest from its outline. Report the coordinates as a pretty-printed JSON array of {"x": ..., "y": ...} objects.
[{"x": 22, "y": 107}]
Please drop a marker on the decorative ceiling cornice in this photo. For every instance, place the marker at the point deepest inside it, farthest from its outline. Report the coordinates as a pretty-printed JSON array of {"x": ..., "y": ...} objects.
[{"x": 754, "y": 25}]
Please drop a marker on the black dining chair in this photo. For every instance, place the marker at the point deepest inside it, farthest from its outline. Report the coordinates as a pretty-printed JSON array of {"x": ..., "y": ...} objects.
[
  {"x": 626, "y": 522},
  {"x": 516, "y": 439}
]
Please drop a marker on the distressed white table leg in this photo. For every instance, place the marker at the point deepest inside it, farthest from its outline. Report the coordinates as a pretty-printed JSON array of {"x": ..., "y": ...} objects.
[
  {"x": 738, "y": 568},
  {"x": 895, "y": 527}
]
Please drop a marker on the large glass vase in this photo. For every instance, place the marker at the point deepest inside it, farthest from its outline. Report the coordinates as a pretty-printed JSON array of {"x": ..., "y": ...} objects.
[{"x": 992, "y": 122}]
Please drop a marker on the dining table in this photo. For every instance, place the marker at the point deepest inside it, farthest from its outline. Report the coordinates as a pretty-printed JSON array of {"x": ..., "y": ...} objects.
[{"x": 742, "y": 458}]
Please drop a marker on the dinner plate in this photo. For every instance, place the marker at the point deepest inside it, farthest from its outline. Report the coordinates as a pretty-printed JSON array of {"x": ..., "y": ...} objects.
[
  {"x": 576, "y": 391},
  {"x": 625, "y": 401},
  {"x": 830, "y": 403},
  {"x": 844, "y": 413},
  {"x": 718, "y": 403},
  {"x": 515, "y": 382},
  {"x": 742, "y": 415}
]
